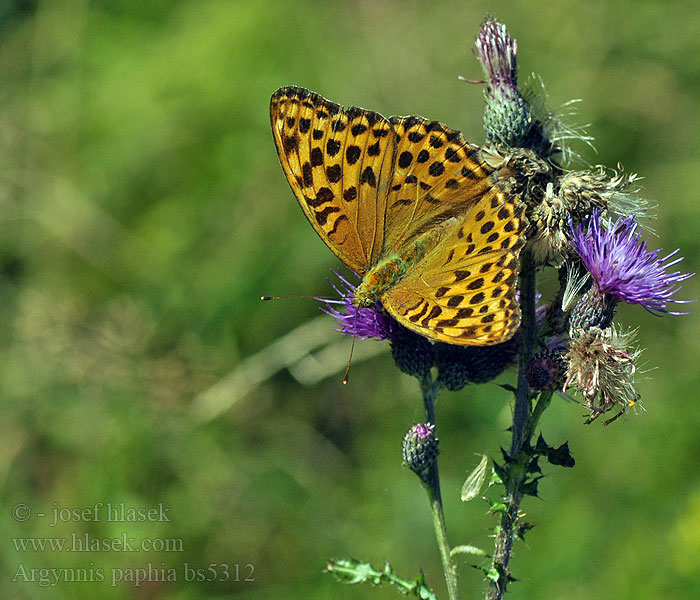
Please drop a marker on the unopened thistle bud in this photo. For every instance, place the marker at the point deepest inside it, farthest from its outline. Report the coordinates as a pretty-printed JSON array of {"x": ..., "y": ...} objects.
[
  {"x": 412, "y": 353},
  {"x": 546, "y": 370},
  {"x": 459, "y": 365},
  {"x": 453, "y": 370},
  {"x": 594, "y": 309},
  {"x": 420, "y": 449}
]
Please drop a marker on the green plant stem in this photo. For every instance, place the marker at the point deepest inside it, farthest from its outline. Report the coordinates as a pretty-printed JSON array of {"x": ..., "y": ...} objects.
[
  {"x": 522, "y": 429},
  {"x": 528, "y": 293},
  {"x": 430, "y": 390},
  {"x": 448, "y": 565}
]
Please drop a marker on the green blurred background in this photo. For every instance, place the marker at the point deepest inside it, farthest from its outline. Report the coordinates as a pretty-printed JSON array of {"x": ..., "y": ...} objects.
[{"x": 143, "y": 212}]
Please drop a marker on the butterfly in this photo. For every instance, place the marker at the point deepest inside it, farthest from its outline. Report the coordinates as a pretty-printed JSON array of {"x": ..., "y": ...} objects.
[{"x": 410, "y": 206}]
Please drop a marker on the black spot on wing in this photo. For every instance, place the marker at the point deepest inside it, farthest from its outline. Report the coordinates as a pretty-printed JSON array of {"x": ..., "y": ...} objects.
[
  {"x": 332, "y": 147},
  {"x": 290, "y": 143},
  {"x": 323, "y": 196},
  {"x": 350, "y": 194},
  {"x": 405, "y": 159},
  {"x": 374, "y": 149},
  {"x": 307, "y": 174},
  {"x": 352, "y": 154},
  {"x": 333, "y": 173},
  {"x": 322, "y": 215},
  {"x": 316, "y": 157},
  {"x": 368, "y": 177},
  {"x": 340, "y": 218},
  {"x": 436, "y": 169}
]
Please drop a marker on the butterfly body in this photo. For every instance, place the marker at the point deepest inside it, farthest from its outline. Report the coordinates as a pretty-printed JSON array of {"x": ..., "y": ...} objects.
[
  {"x": 410, "y": 206},
  {"x": 378, "y": 280}
]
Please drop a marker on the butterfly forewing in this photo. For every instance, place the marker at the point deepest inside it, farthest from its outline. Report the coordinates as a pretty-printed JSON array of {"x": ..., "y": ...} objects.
[
  {"x": 465, "y": 292},
  {"x": 338, "y": 163},
  {"x": 437, "y": 175}
]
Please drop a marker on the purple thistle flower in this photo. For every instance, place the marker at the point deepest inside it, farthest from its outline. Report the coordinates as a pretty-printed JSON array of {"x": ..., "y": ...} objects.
[
  {"x": 363, "y": 323},
  {"x": 507, "y": 117},
  {"x": 496, "y": 51},
  {"x": 623, "y": 268},
  {"x": 423, "y": 430}
]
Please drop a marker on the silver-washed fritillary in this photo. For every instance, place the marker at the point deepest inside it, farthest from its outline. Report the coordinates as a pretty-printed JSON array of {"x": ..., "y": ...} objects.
[{"x": 412, "y": 207}]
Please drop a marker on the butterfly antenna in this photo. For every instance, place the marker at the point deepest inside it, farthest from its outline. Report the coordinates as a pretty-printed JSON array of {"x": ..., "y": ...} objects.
[
  {"x": 292, "y": 298},
  {"x": 352, "y": 349}
]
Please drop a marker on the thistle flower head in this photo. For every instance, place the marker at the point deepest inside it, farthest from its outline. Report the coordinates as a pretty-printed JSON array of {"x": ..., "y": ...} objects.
[
  {"x": 412, "y": 353},
  {"x": 420, "y": 449},
  {"x": 363, "y": 323},
  {"x": 507, "y": 118},
  {"x": 545, "y": 371},
  {"x": 601, "y": 363},
  {"x": 573, "y": 197},
  {"x": 496, "y": 51},
  {"x": 459, "y": 365},
  {"x": 621, "y": 265}
]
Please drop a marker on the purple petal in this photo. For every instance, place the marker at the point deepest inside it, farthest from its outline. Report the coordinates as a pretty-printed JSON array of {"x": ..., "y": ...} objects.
[
  {"x": 623, "y": 267},
  {"x": 363, "y": 323}
]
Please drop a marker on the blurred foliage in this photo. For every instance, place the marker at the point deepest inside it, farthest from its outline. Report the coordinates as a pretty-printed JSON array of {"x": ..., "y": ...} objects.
[{"x": 142, "y": 214}]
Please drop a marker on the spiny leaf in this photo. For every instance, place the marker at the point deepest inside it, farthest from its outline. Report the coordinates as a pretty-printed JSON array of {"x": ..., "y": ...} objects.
[
  {"x": 499, "y": 471},
  {"x": 530, "y": 487},
  {"x": 533, "y": 466},
  {"x": 522, "y": 529},
  {"x": 561, "y": 456},
  {"x": 352, "y": 571},
  {"x": 542, "y": 447},
  {"x": 556, "y": 456},
  {"x": 496, "y": 478}
]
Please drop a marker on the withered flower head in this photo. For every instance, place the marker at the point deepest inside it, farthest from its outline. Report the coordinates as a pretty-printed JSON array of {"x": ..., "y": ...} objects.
[{"x": 601, "y": 364}]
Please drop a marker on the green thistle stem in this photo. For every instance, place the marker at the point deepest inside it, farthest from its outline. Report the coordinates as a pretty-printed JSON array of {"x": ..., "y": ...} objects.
[
  {"x": 430, "y": 390},
  {"x": 524, "y": 423},
  {"x": 528, "y": 297}
]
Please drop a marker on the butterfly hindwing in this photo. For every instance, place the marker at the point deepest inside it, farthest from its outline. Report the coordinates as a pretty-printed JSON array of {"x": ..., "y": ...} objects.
[
  {"x": 465, "y": 293},
  {"x": 338, "y": 162}
]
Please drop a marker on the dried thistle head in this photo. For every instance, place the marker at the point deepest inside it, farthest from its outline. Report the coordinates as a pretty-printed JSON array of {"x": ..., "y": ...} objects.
[
  {"x": 611, "y": 191},
  {"x": 601, "y": 363},
  {"x": 572, "y": 198},
  {"x": 549, "y": 228}
]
